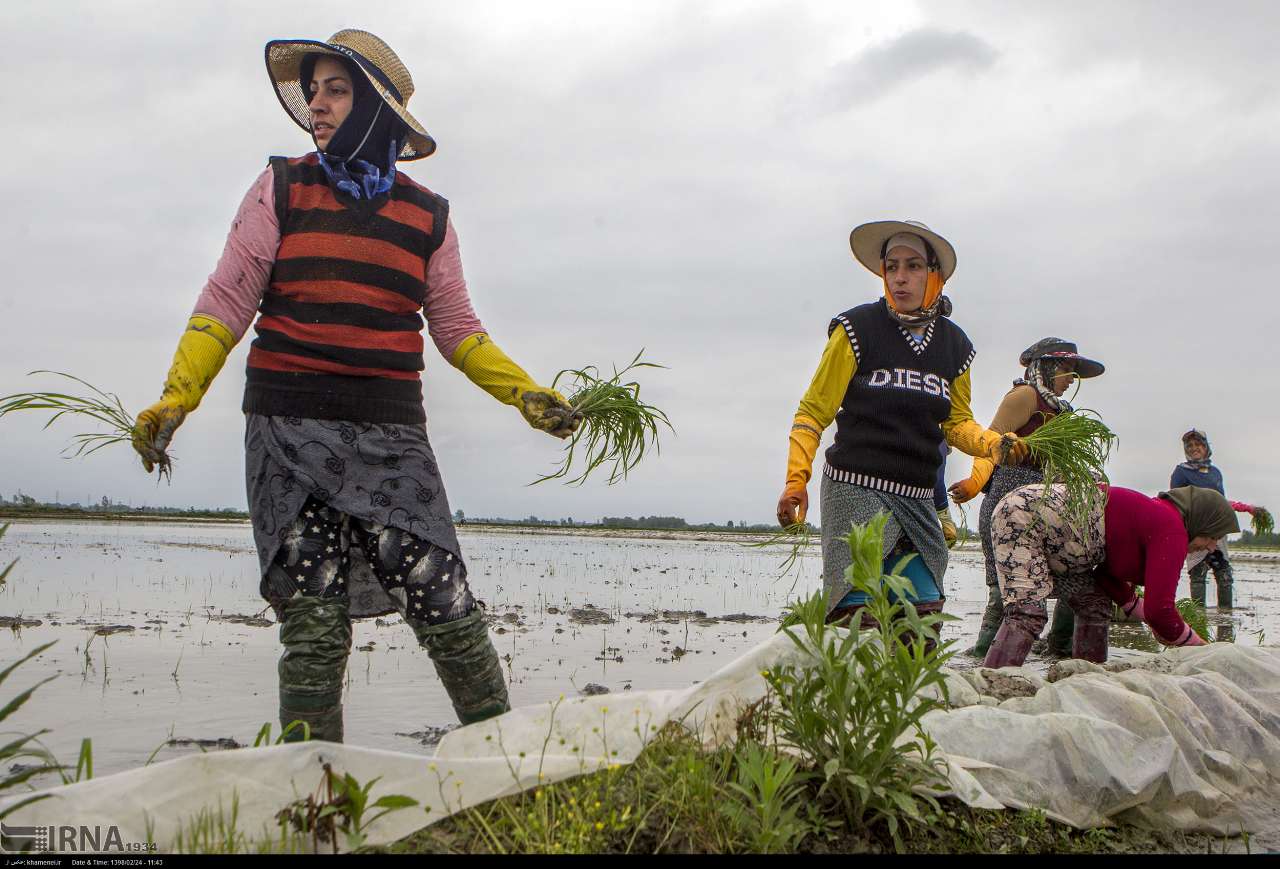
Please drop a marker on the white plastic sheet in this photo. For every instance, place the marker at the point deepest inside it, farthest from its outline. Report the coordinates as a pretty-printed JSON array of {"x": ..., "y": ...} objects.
[{"x": 1188, "y": 740}]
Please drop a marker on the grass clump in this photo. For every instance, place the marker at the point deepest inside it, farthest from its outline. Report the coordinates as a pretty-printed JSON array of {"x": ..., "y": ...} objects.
[
  {"x": 1072, "y": 449},
  {"x": 97, "y": 406},
  {"x": 617, "y": 427}
]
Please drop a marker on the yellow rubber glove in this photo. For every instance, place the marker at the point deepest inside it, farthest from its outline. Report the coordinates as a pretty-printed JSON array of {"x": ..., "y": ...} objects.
[
  {"x": 489, "y": 368},
  {"x": 967, "y": 489},
  {"x": 948, "y": 527},
  {"x": 201, "y": 352},
  {"x": 794, "y": 502},
  {"x": 979, "y": 442}
]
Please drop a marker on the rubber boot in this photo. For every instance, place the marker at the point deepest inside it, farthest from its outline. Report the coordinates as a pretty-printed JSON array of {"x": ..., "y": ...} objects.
[
  {"x": 1222, "y": 575},
  {"x": 1197, "y": 582},
  {"x": 1018, "y": 630},
  {"x": 1090, "y": 639},
  {"x": 468, "y": 665},
  {"x": 316, "y": 633},
  {"x": 1061, "y": 631},
  {"x": 991, "y": 619}
]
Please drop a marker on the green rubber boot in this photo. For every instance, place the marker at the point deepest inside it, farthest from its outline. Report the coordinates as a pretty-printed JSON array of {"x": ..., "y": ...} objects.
[
  {"x": 1061, "y": 631},
  {"x": 468, "y": 665},
  {"x": 991, "y": 619},
  {"x": 316, "y": 633},
  {"x": 1223, "y": 577},
  {"x": 1198, "y": 574}
]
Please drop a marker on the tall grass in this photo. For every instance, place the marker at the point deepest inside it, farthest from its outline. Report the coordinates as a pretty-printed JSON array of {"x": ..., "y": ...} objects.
[
  {"x": 1072, "y": 449},
  {"x": 853, "y": 709},
  {"x": 617, "y": 427},
  {"x": 97, "y": 406}
]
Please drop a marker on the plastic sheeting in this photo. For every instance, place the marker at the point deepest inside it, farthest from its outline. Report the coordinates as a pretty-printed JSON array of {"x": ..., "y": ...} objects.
[{"x": 1188, "y": 739}]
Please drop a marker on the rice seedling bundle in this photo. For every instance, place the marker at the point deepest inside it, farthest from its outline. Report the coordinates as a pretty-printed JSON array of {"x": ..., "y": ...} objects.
[
  {"x": 1193, "y": 613},
  {"x": 1072, "y": 449},
  {"x": 97, "y": 406},
  {"x": 796, "y": 537},
  {"x": 1263, "y": 522},
  {"x": 617, "y": 427}
]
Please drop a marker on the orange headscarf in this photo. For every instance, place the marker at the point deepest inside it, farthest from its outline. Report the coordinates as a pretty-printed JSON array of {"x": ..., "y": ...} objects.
[{"x": 932, "y": 290}]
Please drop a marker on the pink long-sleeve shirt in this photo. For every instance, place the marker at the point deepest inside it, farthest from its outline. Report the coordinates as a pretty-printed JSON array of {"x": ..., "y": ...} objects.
[
  {"x": 1146, "y": 545},
  {"x": 235, "y": 289}
]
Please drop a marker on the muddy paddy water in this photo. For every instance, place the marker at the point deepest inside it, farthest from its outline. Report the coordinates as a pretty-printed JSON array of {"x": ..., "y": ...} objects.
[{"x": 164, "y": 647}]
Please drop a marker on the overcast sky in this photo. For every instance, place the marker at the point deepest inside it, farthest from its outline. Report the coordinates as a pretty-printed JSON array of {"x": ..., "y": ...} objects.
[{"x": 680, "y": 177}]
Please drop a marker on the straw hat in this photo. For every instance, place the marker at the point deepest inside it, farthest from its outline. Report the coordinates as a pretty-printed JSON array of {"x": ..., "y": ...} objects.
[
  {"x": 386, "y": 74},
  {"x": 868, "y": 240}
]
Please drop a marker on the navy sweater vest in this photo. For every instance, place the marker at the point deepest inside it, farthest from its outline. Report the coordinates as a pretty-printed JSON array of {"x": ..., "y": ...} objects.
[{"x": 888, "y": 425}]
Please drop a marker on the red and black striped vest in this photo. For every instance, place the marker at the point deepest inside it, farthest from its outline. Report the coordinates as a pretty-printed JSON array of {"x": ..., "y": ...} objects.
[{"x": 340, "y": 331}]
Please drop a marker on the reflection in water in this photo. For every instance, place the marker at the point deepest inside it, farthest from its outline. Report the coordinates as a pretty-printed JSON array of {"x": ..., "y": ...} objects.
[
  {"x": 1226, "y": 633},
  {"x": 1134, "y": 636}
]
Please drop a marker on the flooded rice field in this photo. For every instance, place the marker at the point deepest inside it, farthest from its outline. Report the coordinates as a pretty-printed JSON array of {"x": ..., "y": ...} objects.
[{"x": 164, "y": 647}]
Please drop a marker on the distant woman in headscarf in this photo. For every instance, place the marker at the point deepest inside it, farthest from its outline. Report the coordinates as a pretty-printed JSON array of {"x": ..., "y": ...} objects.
[
  {"x": 1200, "y": 471},
  {"x": 894, "y": 377},
  {"x": 1051, "y": 365}
]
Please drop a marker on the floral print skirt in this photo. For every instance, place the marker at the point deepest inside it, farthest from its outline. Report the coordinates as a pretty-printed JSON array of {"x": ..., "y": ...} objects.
[
  {"x": 359, "y": 481},
  {"x": 1038, "y": 555}
]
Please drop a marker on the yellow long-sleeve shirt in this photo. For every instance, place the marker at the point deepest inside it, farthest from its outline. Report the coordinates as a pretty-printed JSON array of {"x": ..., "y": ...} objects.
[{"x": 827, "y": 390}]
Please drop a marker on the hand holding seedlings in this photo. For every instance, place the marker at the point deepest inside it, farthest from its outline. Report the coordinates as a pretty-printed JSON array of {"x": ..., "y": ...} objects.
[
  {"x": 1072, "y": 448},
  {"x": 796, "y": 536},
  {"x": 605, "y": 420},
  {"x": 1263, "y": 522},
  {"x": 103, "y": 407}
]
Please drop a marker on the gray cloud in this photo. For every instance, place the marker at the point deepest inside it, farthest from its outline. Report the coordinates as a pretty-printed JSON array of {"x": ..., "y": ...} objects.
[
  {"x": 624, "y": 177},
  {"x": 881, "y": 69}
]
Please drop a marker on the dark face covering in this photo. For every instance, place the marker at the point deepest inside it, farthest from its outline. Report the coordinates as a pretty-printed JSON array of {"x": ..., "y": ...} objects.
[{"x": 372, "y": 132}]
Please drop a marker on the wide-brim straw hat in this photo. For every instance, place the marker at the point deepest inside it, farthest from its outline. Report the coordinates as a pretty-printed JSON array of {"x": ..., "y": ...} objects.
[
  {"x": 868, "y": 240},
  {"x": 387, "y": 75}
]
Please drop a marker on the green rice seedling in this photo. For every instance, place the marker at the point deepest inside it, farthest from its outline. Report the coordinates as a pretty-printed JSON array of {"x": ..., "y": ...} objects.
[
  {"x": 1193, "y": 613},
  {"x": 796, "y": 537},
  {"x": 97, "y": 406},
  {"x": 1263, "y": 522},
  {"x": 616, "y": 426},
  {"x": 1072, "y": 449}
]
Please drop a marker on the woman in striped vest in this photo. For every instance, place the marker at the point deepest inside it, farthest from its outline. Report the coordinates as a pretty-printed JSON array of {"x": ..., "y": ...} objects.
[
  {"x": 339, "y": 255},
  {"x": 894, "y": 377}
]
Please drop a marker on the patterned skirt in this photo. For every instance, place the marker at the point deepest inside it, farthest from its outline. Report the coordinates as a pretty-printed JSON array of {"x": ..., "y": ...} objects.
[
  {"x": 845, "y": 503},
  {"x": 1005, "y": 479},
  {"x": 1038, "y": 553},
  {"x": 382, "y": 474}
]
